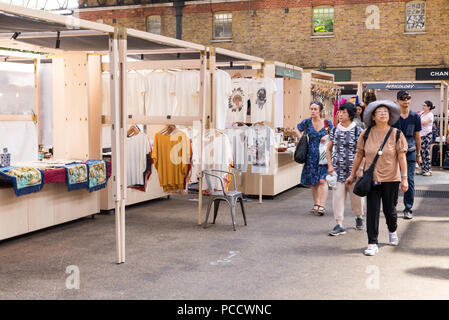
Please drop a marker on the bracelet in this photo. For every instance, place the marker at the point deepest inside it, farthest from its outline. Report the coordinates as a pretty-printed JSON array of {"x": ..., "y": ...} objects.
[
  {"x": 361, "y": 169},
  {"x": 404, "y": 175}
]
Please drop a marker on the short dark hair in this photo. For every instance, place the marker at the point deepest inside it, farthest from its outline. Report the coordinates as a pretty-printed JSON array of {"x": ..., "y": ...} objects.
[
  {"x": 429, "y": 104},
  {"x": 350, "y": 108},
  {"x": 318, "y": 104}
]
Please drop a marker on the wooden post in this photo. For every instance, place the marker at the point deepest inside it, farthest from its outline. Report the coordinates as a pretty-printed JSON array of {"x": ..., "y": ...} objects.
[
  {"x": 442, "y": 124},
  {"x": 118, "y": 121},
  {"x": 203, "y": 70},
  {"x": 37, "y": 98}
]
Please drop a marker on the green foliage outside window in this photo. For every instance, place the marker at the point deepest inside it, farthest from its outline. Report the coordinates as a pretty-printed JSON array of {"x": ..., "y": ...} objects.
[{"x": 323, "y": 20}]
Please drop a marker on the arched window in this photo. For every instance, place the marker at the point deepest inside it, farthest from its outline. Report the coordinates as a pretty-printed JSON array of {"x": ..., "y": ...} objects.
[
  {"x": 323, "y": 20},
  {"x": 415, "y": 16}
]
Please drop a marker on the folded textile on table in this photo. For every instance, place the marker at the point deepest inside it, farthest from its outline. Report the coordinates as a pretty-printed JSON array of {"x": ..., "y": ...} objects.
[
  {"x": 77, "y": 176},
  {"x": 97, "y": 174},
  {"x": 25, "y": 179}
]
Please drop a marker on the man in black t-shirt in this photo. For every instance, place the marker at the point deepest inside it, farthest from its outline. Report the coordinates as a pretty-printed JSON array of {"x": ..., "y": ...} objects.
[{"x": 410, "y": 125}]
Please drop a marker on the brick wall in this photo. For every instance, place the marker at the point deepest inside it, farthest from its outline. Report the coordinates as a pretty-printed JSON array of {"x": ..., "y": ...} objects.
[{"x": 266, "y": 30}]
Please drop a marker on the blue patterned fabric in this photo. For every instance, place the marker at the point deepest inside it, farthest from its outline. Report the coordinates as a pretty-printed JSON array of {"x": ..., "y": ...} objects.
[
  {"x": 77, "y": 176},
  {"x": 24, "y": 179},
  {"x": 97, "y": 174},
  {"x": 312, "y": 171}
]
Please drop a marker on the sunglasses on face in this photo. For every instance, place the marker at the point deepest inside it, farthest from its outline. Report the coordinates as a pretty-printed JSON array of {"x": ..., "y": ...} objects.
[{"x": 405, "y": 98}]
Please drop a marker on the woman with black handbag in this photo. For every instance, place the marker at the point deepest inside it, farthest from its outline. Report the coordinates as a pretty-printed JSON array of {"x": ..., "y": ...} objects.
[
  {"x": 389, "y": 172},
  {"x": 313, "y": 173}
]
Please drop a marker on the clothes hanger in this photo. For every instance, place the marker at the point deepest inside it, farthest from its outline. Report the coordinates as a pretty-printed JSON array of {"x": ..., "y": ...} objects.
[
  {"x": 236, "y": 75},
  {"x": 133, "y": 131}
]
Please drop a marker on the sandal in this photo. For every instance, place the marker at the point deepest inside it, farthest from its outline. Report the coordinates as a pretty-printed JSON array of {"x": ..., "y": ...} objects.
[
  {"x": 314, "y": 209},
  {"x": 321, "y": 211}
]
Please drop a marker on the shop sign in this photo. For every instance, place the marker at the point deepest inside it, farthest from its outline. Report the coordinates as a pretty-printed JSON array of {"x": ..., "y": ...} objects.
[
  {"x": 288, "y": 73},
  {"x": 432, "y": 74},
  {"x": 402, "y": 86}
]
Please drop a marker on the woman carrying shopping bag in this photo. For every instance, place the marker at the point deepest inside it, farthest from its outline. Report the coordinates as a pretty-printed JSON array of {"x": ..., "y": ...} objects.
[
  {"x": 390, "y": 170},
  {"x": 343, "y": 139},
  {"x": 313, "y": 173}
]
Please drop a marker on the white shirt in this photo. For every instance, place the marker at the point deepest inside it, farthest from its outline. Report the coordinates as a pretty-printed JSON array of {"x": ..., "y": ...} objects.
[
  {"x": 138, "y": 147},
  {"x": 260, "y": 141},
  {"x": 187, "y": 93},
  {"x": 239, "y": 140},
  {"x": 223, "y": 90},
  {"x": 160, "y": 99},
  {"x": 238, "y": 101},
  {"x": 261, "y": 93},
  {"x": 217, "y": 154},
  {"x": 135, "y": 96},
  {"x": 426, "y": 129}
]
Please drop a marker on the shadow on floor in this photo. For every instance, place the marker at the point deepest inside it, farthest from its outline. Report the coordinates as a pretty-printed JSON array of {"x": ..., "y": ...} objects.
[{"x": 430, "y": 272}]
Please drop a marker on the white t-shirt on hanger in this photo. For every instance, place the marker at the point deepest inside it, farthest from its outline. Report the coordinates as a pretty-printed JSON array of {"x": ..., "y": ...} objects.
[
  {"x": 260, "y": 140},
  {"x": 238, "y": 101},
  {"x": 187, "y": 93},
  {"x": 160, "y": 99},
  {"x": 137, "y": 88},
  {"x": 261, "y": 93},
  {"x": 138, "y": 147},
  {"x": 223, "y": 90}
]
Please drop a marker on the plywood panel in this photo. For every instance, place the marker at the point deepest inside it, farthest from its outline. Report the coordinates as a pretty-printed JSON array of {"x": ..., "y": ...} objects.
[
  {"x": 75, "y": 204},
  {"x": 95, "y": 105},
  {"x": 13, "y": 214},
  {"x": 41, "y": 209}
]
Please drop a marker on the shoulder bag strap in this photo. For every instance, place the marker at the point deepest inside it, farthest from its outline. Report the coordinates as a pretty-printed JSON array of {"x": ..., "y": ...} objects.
[{"x": 382, "y": 146}]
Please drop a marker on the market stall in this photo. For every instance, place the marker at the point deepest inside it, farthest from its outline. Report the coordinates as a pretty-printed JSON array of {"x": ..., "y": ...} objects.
[{"x": 31, "y": 197}]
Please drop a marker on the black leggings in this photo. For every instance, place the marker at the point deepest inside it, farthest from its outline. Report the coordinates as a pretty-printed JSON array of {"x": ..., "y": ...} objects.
[{"x": 388, "y": 193}]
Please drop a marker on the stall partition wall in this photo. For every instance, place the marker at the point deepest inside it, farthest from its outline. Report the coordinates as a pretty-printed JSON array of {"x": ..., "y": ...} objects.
[
  {"x": 77, "y": 106},
  {"x": 76, "y": 132},
  {"x": 320, "y": 78}
]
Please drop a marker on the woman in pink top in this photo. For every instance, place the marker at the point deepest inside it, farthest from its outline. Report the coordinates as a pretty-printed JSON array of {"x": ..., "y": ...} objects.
[{"x": 426, "y": 137}]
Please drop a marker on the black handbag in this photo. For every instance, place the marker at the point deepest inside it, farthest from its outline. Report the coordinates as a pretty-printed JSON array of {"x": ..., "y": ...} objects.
[
  {"x": 302, "y": 148},
  {"x": 363, "y": 185}
]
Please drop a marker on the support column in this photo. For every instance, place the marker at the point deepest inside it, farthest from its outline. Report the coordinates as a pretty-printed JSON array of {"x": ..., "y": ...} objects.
[
  {"x": 203, "y": 104},
  {"x": 118, "y": 69}
]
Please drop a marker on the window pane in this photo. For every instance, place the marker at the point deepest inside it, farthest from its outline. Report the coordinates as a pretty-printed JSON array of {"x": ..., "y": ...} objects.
[
  {"x": 415, "y": 16},
  {"x": 323, "y": 20},
  {"x": 223, "y": 25}
]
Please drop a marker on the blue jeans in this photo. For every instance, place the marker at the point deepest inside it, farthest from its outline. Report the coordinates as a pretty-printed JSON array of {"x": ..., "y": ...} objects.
[{"x": 409, "y": 196}]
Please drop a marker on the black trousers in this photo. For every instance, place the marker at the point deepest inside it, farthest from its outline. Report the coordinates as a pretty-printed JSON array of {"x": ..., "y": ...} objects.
[{"x": 387, "y": 192}]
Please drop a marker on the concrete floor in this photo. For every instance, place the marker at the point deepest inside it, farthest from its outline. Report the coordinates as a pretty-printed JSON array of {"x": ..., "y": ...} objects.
[{"x": 283, "y": 253}]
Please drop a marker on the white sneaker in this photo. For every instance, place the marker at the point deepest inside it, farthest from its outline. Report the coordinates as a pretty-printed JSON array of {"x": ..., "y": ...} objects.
[
  {"x": 371, "y": 250},
  {"x": 394, "y": 240},
  {"x": 426, "y": 174}
]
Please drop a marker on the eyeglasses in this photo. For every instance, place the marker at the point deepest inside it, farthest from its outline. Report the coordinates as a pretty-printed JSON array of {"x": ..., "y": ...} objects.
[{"x": 405, "y": 98}]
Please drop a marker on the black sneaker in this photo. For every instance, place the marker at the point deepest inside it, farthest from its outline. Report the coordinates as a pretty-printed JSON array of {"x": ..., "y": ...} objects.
[
  {"x": 408, "y": 215},
  {"x": 337, "y": 230},
  {"x": 359, "y": 223}
]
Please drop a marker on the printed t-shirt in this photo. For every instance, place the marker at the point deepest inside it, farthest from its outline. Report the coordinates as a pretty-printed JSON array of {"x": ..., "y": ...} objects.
[
  {"x": 238, "y": 101},
  {"x": 260, "y": 141},
  {"x": 239, "y": 140},
  {"x": 387, "y": 166},
  {"x": 261, "y": 93},
  {"x": 344, "y": 141}
]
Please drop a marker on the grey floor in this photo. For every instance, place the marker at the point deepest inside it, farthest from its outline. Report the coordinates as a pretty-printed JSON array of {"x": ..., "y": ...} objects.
[{"x": 283, "y": 253}]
